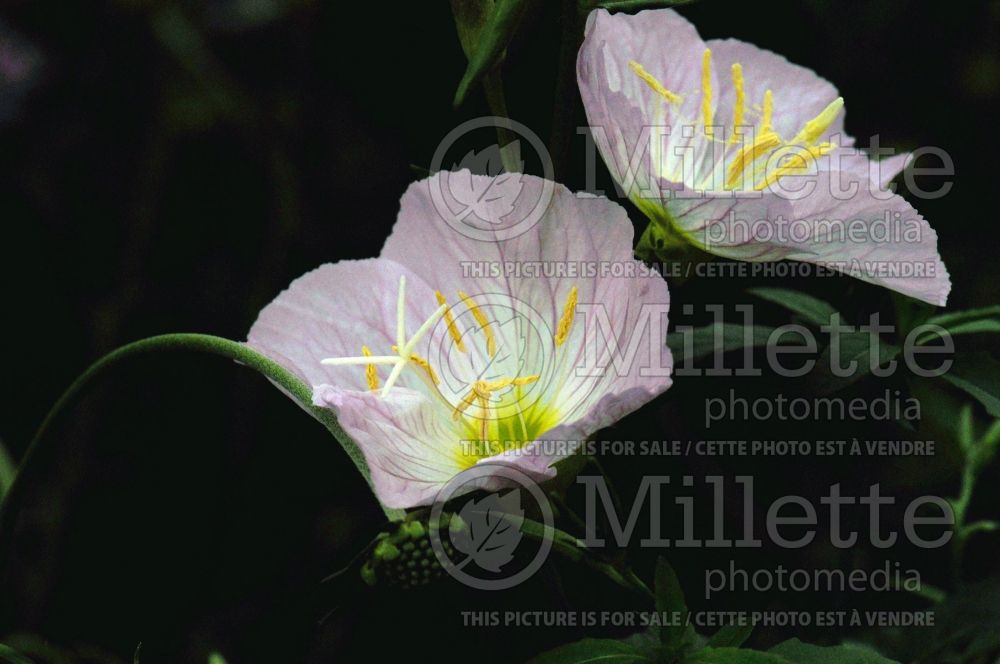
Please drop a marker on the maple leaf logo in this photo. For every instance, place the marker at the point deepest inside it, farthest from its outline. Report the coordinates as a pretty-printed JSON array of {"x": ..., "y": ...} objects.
[
  {"x": 490, "y": 530},
  {"x": 492, "y": 199}
]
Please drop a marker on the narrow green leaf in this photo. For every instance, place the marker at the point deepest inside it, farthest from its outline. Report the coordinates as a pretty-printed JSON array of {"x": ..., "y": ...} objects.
[
  {"x": 670, "y": 604},
  {"x": 717, "y": 337},
  {"x": 8, "y": 469},
  {"x": 733, "y": 656},
  {"x": 980, "y": 326},
  {"x": 797, "y": 652},
  {"x": 954, "y": 318},
  {"x": 731, "y": 636},
  {"x": 606, "y": 651},
  {"x": 811, "y": 308},
  {"x": 493, "y": 40},
  {"x": 966, "y": 432},
  {"x": 978, "y": 374},
  {"x": 10, "y": 656},
  {"x": 854, "y": 347}
]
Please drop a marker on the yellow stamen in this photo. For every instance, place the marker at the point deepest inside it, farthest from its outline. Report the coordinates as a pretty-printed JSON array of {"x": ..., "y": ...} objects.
[
  {"x": 749, "y": 154},
  {"x": 652, "y": 82},
  {"x": 740, "y": 99},
  {"x": 814, "y": 128},
  {"x": 566, "y": 321},
  {"x": 765, "y": 123},
  {"x": 371, "y": 371},
  {"x": 798, "y": 162},
  {"x": 423, "y": 364},
  {"x": 491, "y": 344},
  {"x": 450, "y": 322},
  {"x": 482, "y": 390},
  {"x": 706, "y": 90}
]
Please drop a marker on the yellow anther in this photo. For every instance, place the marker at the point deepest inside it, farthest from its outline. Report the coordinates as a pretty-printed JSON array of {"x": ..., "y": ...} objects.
[
  {"x": 652, "y": 82},
  {"x": 450, "y": 322},
  {"x": 813, "y": 129},
  {"x": 749, "y": 154},
  {"x": 765, "y": 122},
  {"x": 507, "y": 382},
  {"x": 371, "y": 372},
  {"x": 706, "y": 90},
  {"x": 491, "y": 344},
  {"x": 740, "y": 99},
  {"x": 797, "y": 163},
  {"x": 566, "y": 321},
  {"x": 423, "y": 364}
]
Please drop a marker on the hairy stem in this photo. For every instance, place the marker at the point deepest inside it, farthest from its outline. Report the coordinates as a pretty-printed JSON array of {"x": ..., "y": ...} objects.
[{"x": 43, "y": 444}]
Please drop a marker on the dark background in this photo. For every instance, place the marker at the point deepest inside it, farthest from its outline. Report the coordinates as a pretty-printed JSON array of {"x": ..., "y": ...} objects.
[{"x": 171, "y": 166}]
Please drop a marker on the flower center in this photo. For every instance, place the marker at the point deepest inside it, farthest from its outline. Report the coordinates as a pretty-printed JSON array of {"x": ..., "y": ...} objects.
[
  {"x": 492, "y": 416},
  {"x": 753, "y": 157}
]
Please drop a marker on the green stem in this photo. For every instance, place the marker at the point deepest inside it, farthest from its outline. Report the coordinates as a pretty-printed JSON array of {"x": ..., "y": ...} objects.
[
  {"x": 960, "y": 506},
  {"x": 493, "y": 87},
  {"x": 572, "y": 549},
  {"x": 8, "y": 470},
  {"x": 200, "y": 343}
]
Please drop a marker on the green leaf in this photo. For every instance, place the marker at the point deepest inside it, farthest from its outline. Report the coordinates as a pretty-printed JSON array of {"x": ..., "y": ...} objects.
[
  {"x": 957, "y": 318},
  {"x": 724, "y": 337},
  {"x": 978, "y": 374},
  {"x": 8, "y": 469},
  {"x": 10, "y": 656},
  {"x": 966, "y": 431},
  {"x": 979, "y": 326},
  {"x": 670, "y": 604},
  {"x": 731, "y": 636},
  {"x": 856, "y": 347},
  {"x": 733, "y": 656},
  {"x": 812, "y": 309},
  {"x": 797, "y": 652},
  {"x": 606, "y": 651},
  {"x": 493, "y": 40}
]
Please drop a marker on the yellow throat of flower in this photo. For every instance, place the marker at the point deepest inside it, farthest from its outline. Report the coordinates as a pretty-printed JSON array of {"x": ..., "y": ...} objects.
[{"x": 492, "y": 416}]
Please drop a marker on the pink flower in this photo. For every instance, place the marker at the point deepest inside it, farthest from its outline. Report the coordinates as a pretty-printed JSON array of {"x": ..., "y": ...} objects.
[
  {"x": 734, "y": 149},
  {"x": 453, "y": 349}
]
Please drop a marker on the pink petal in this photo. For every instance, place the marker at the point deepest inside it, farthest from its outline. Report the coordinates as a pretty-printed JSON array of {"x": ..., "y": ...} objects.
[
  {"x": 749, "y": 228},
  {"x": 574, "y": 232},
  {"x": 618, "y": 103},
  {"x": 799, "y": 93},
  {"x": 333, "y": 311},
  {"x": 401, "y": 437}
]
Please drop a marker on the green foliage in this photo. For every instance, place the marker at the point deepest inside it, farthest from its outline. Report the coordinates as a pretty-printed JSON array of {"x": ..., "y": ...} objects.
[
  {"x": 488, "y": 42},
  {"x": 811, "y": 308},
  {"x": 719, "y": 337},
  {"x": 978, "y": 375},
  {"x": 796, "y": 652},
  {"x": 10, "y": 656},
  {"x": 607, "y": 651},
  {"x": 675, "y": 633},
  {"x": 677, "y": 642},
  {"x": 731, "y": 636}
]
